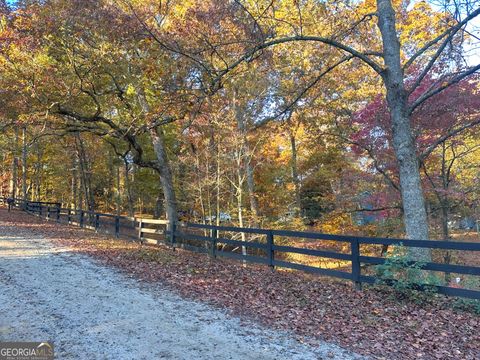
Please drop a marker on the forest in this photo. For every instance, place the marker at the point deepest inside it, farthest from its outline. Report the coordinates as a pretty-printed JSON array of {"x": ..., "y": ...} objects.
[{"x": 335, "y": 116}]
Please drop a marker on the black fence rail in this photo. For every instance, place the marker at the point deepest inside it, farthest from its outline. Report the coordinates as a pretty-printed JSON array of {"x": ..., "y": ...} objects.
[
  {"x": 264, "y": 246},
  {"x": 117, "y": 225}
]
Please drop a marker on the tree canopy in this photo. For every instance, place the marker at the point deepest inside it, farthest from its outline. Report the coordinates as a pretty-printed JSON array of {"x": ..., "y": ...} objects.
[{"x": 338, "y": 115}]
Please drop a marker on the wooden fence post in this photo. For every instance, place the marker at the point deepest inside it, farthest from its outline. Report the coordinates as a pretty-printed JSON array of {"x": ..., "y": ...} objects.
[
  {"x": 58, "y": 213},
  {"x": 81, "y": 218},
  {"x": 117, "y": 226},
  {"x": 48, "y": 212},
  {"x": 69, "y": 216},
  {"x": 270, "y": 251},
  {"x": 355, "y": 249}
]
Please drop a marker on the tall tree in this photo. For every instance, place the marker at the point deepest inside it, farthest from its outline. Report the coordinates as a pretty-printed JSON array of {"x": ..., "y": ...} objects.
[{"x": 393, "y": 72}]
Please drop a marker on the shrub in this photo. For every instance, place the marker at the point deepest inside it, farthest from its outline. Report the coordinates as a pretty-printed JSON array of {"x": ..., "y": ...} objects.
[{"x": 406, "y": 276}]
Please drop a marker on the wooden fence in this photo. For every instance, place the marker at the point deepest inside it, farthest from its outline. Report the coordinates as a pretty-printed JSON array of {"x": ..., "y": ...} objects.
[{"x": 222, "y": 241}]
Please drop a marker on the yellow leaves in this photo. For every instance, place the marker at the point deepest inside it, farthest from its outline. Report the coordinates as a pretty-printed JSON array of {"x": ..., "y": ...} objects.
[
  {"x": 277, "y": 148},
  {"x": 130, "y": 90},
  {"x": 3, "y": 23},
  {"x": 290, "y": 187},
  {"x": 368, "y": 6},
  {"x": 420, "y": 24},
  {"x": 42, "y": 59},
  {"x": 180, "y": 8},
  {"x": 335, "y": 223}
]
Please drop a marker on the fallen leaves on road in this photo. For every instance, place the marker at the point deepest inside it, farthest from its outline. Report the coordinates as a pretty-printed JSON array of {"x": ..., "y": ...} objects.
[{"x": 369, "y": 322}]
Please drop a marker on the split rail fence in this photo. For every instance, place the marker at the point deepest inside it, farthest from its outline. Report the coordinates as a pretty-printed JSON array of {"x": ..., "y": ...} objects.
[{"x": 264, "y": 246}]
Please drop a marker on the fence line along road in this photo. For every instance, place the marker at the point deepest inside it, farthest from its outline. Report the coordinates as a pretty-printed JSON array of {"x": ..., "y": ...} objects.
[{"x": 264, "y": 250}]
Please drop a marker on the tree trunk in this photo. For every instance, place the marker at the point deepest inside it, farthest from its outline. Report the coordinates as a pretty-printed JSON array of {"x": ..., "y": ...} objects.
[
  {"x": 415, "y": 215},
  {"x": 85, "y": 174},
  {"x": 118, "y": 196},
  {"x": 295, "y": 178},
  {"x": 81, "y": 203},
  {"x": 240, "y": 211},
  {"x": 159, "y": 210},
  {"x": 444, "y": 216},
  {"x": 24, "y": 163},
  {"x": 38, "y": 172},
  {"x": 130, "y": 204},
  {"x": 2, "y": 175},
  {"x": 251, "y": 191},
  {"x": 166, "y": 179},
  {"x": 443, "y": 196},
  {"x": 14, "y": 176},
  {"x": 200, "y": 190},
  {"x": 209, "y": 195},
  {"x": 445, "y": 204},
  {"x": 246, "y": 158},
  {"x": 73, "y": 201},
  {"x": 217, "y": 185},
  {"x": 447, "y": 257}
]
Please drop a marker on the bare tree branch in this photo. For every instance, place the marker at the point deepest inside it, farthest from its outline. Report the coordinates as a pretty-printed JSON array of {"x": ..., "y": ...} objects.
[
  {"x": 371, "y": 155},
  {"x": 453, "y": 80},
  {"x": 447, "y": 136},
  {"x": 397, "y": 207},
  {"x": 290, "y": 106},
  {"x": 449, "y": 33},
  {"x": 250, "y": 54}
]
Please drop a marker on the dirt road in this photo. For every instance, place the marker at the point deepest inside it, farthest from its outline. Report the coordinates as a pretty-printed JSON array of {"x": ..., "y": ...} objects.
[{"x": 90, "y": 311}]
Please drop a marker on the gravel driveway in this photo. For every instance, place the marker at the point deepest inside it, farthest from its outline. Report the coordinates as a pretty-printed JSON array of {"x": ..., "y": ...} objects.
[{"x": 90, "y": 311}]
